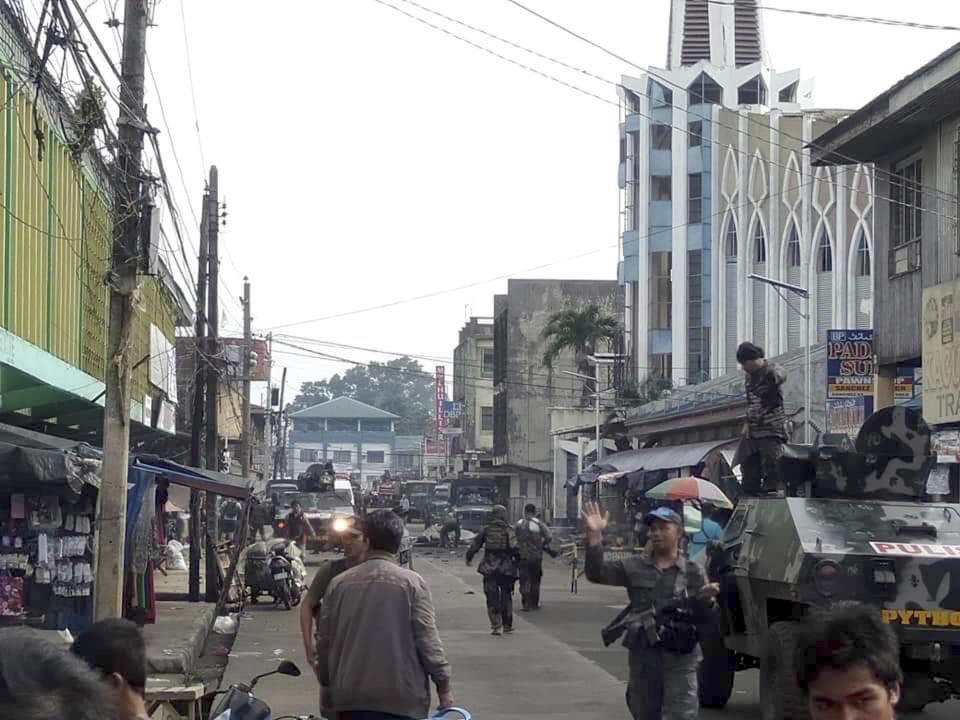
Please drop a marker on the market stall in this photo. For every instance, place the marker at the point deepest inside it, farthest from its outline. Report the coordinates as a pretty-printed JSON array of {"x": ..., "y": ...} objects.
[{"x": 48, "y": 501}]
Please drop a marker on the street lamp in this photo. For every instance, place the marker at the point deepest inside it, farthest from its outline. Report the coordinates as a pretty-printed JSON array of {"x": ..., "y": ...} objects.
[{"x": 805, "y": 294}]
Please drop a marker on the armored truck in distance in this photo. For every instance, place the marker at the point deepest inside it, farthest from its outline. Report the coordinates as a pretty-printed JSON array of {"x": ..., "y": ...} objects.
[{"x": 857, "y": 525}]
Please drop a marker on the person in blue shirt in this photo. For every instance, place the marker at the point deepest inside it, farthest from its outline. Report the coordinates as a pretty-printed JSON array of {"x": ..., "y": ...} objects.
[{"x": 710, "y": 530}]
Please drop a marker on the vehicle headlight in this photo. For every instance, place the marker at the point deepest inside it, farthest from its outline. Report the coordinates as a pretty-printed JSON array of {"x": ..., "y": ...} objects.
[
  {"x": 826, "y": 576},
  {"x": 340, "y": 524}
]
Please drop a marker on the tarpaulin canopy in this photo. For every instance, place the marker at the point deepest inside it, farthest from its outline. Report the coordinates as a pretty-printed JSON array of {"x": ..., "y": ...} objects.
[
  {"x": 29, "y": 457},
  {"x": 622, "y": 464},
  {"x": 195, "y": 478}
]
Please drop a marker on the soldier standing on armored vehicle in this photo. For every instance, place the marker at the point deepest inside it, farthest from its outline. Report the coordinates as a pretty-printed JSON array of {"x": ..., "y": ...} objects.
[
  {"x": 766, "y": 427},
  {"x": 669, "y": 599}
]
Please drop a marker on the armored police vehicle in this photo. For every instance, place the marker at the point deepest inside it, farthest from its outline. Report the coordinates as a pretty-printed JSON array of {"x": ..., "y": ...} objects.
[{"x": 868, "y": 524}]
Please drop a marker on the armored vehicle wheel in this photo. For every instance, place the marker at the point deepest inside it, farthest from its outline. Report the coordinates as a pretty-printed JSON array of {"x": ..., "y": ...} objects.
[
  {"x": 780, "y": 698},
  {"x": 716, "y": 672}
]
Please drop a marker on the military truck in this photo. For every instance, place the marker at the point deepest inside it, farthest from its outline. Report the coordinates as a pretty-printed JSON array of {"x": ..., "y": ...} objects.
[
  {"x": 857, "y": 525},
  {"x": 473, "y": 497}
]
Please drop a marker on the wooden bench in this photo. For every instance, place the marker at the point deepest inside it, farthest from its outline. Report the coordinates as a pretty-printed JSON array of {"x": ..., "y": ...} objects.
[{"x": 174, "y": 702}]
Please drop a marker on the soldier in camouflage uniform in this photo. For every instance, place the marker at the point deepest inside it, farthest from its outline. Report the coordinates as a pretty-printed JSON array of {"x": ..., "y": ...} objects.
[
  {"x": 533, "y": 537},
  {"x": 498, "y": 567},
  {"x": 766, "y": 428},
  {"x": 663, "y": 677}
]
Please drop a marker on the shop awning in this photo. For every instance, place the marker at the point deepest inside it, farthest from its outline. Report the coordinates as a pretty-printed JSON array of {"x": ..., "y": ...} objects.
[
  {"x": 205, "y": 480},
  {"x": 31, "y": 457},
  {"x": 671, "y": 457}
]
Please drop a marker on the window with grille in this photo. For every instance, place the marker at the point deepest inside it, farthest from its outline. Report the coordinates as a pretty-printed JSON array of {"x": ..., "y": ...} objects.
[
  {"x": 486, "y": 419},
  {"x": 661, "y": 187},
  {"x": 793, "y": 246},
  {"x": 308, "y": 455},
  {"x": 487, "y": 364},
  {"x": 824, "y": 252},
  {"x": 341, "y": 456},
  {"x": 906, "y": 216},
  {"x": 375, "y": 456}
]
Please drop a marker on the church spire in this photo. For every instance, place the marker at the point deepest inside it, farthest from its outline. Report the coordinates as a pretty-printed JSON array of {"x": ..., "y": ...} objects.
[{"x": 722, "y": 33}]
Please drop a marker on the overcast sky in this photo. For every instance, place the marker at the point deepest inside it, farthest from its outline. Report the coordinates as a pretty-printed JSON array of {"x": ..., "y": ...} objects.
[{"x": 366, "y": 158}]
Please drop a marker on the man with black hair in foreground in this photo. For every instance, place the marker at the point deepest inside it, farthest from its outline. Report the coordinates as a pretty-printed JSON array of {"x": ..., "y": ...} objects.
[
  {"x": 116, "y": 649},
  {"x": 378, "y": 646},
  {"x": 847, "y": 666}
]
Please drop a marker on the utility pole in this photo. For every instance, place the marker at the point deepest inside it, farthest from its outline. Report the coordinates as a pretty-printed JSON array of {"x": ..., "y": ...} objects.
[
  {"x": 246, "y": 370},
  {"x": 213, "y": 377},
  {"x": 281, "y": 429},
  {"x": 196, "y": 426},
  {"x": 122, "y": 279}
]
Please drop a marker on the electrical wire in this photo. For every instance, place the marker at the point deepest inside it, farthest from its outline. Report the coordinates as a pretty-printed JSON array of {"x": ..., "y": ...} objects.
[
  {"x": 666, "y": 81},
  {"x": 193, "y": 92}
]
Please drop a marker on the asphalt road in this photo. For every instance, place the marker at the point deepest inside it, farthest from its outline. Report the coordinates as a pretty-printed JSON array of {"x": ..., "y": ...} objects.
[{"x": 572, "y": 619}]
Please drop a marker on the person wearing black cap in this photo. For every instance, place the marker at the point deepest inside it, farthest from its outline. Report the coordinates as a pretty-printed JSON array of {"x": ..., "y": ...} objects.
[
  {"x": 766, "y": 427},
  {"x": 669, "y": 598}
]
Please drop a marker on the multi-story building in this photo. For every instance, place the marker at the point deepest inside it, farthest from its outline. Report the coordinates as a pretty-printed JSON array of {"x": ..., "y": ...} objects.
[
  {"x": 525, "y": 389},
  {"x": 357, "y": 438},
  {"x": 55, "y": 249},
  {"x": 473, "y": 386},
  {"x": 717, "y": 185},
  {"x": 911, "y": 132}
]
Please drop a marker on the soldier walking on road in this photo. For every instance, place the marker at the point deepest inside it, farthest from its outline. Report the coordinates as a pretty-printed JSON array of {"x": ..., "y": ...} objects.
[
  {"x": 498, "y": 568},
  {"x": 533, "y": 537},
  {"x": 669, "y": 597},
  {"x": 766, "y": 428}
]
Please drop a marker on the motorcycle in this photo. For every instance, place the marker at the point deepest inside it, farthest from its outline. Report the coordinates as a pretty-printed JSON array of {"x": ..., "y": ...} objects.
[
  {"x": 276, "y": 569},
  {"x": 239, "y": 702}
]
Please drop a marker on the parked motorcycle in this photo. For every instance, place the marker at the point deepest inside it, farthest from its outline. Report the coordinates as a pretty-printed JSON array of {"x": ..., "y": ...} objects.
[
  {"x": 275, "y": 568},
  {"x": 239, "y": 702}
]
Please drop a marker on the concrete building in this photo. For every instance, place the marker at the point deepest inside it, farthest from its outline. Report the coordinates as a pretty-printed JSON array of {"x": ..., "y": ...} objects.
[
  {"x": 357, "y": 438},
  {"x": 717, "y": 184},
  {"x": 473, "y": 386},
  {"x": 911, "y": 133},
  {"x": 525, "y": 389}
]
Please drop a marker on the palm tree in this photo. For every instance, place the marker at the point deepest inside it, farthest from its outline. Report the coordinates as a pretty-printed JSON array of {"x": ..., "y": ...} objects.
[{"x": 580, "y": 330}]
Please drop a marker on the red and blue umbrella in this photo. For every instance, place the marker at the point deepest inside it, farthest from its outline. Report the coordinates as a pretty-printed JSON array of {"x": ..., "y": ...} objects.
[{"x": 690, "y": 488}]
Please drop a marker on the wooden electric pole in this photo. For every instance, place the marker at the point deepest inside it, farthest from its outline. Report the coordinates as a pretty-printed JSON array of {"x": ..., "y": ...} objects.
[
  {"x": 213, "y": 364},
  {"x": 281, "y": 429},
  {"x": 196, "y": 426},
  {"x": 246, "y": 370},
  {"x": 122, "y": 279}
]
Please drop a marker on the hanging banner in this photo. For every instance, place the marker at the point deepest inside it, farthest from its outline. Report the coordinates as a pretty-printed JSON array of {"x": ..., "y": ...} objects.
[
  {"x": 941, "y": 353},
  {"x": 849, "y": 363},
  {"x": 440, "y": 394},
  {"x": 452, "y": 418}
]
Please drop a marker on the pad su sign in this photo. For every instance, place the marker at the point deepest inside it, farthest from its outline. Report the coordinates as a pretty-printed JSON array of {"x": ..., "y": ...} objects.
[{"x": 849, "y": 363}]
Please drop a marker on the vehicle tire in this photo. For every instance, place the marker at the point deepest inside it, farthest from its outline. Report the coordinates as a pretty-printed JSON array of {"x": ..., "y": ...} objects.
[
  {"x": 295, "y": 595},
  {"x": 716, "y": 672},
  {"x": 780, "y": 697},
  {"x": 285, "y": 596}
]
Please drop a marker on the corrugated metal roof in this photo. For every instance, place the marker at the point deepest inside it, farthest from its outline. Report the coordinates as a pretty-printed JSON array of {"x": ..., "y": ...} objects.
[{"x": 344, "y": 407}]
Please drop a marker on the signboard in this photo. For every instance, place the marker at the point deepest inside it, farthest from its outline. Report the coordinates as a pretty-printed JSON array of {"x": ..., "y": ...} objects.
[
  {"x": 915, "y": 549},
  {"x": 849, "y": 363},
  {"x": 440, "y": 394},
  {"x": 941, "y": 353},
  {"x": 903, "y": 386},
  {"x": 846, "y": 415},
  {"x": 452, "y": 418}
]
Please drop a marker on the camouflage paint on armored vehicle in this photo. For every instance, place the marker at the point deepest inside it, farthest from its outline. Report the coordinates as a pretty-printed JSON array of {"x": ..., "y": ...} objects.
[{"x": 864, "y": 531}]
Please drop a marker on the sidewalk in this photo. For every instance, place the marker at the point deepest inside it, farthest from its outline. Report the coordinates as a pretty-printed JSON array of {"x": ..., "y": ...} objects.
[{"x": 524, "y": 675}]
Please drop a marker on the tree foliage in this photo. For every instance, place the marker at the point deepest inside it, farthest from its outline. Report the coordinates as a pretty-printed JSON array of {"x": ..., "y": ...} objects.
[
  {"x": 650, "y": 389},
  {"x": 580, "y": 330},
  {"x": 400, "y": 386}
]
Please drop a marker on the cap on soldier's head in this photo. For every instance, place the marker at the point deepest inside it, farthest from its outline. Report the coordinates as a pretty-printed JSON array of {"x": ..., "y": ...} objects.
[
  {"x": 665, "y": 514},
  {"x": 500, "y": 512},
  {"x": 748, "y": 351}
]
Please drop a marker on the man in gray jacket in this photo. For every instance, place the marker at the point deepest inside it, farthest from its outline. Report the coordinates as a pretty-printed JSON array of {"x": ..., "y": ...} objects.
[{"x": 378, "y": 646}]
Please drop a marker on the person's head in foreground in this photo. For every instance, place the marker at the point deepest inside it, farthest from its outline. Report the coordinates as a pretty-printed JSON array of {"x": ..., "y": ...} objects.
[
  {"x": 530, "y": 511},
  {"x": 43, "y": 681},
  {"x": 354, "y": 541},
  {"x": 750, "y": 357},
  {"x": 847, "y": 666},
  {"x": 664, "y": 530},
  {"x": 383, "y": 531},
  {"x": 115, "y": 648},
  {"x": 499, "y": 512}
]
